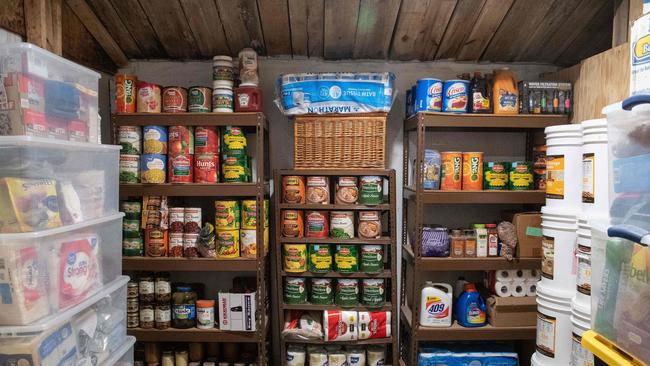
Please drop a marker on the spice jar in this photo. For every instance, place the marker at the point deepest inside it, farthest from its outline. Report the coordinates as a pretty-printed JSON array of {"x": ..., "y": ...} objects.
[
  {"x": 184, "y": 308},
  {"x": 163, "y": 316},
  {"x": 205, "y": 314},
  {"x": 457, "y": 244},
  {"x": 167, "y": 358},
  {"x": 132, "y": 290},
  {"x": 146, "y": 316},
  {"x": 132, "y": 320},
  {"x": 470, "y": 242},
  {"x": 132, "y": 305},
  {"x": 181, "y": 358},
  {"x": 146, "y": 289},
  {"x": 163, "y": 289}
]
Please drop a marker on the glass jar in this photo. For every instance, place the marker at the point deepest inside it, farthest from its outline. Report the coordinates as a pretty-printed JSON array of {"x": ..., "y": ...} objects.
[
  {"x": 132, "y": 305},
  {"x": 146, "y": 289},
  {"x": 167, "y": 358},
  {"x": 146, "y": 316},
  {"x": 132, "y": 290},
  {"x": 132, "y": 320},
  {"x": 181, "y": 358},
  {"x": 470, "y": 243},
  {"x": 184, "y": 308},
  {"x": 493, "y": 240},
  {"x": 457, "y": 244},
  {"x": 163, "y": 288},
  {"x": 205, "y": 314},
  {"x": 163, "y": 316},
  {"x": 197, "y": 351}
]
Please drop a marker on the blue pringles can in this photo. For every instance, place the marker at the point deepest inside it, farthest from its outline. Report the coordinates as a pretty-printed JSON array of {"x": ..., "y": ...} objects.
[
  {"x": 455, "y": 96},
  {"x": 428, "y": 95}
]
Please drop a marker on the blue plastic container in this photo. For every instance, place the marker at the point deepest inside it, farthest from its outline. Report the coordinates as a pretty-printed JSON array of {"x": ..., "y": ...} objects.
[
  {"x": 455, "y": 96},
  {"x": 470, "y": 308},
  {"x": 428, "y": 95}
]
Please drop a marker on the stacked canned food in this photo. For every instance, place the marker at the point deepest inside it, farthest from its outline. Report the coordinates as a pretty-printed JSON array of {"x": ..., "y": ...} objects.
[
  {"x": 343, "y": 292},
  {"x": 245, "y": 98},
  {"x": 183, "y": 154},
  {"x": 135, "y": 95},
  {"x": 236, "y": 228},
  {"x": 364, "y": 190},
  {"x": 299, "y": 355},
  {"x": 196, "y": 354},
  {"x": 467, "y": 171},
  {"x": 184, "y": 229},
  {"x": 333, "y": 224}
]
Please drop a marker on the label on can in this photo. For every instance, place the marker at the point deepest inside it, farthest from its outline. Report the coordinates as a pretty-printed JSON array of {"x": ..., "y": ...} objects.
[
  {"x": 180, "y": 169},
  {"x": 451, "y": 172},
  {"x": 125, "y": 86},
  {"x": 248, "y": 243},
  {"x": 227, "y": 215},
  {"x": 248, "y": 214},
  {"x": 472, "y": 171},
  {"x": 455, "y": 96},
  {"x": 373, "y": 292},
  {"x": 320, "y": 258},
  {"x": 130, "y": 138},
  {"x": 321, "y": 292},
  {"x": 228, "y": 243},
  {"x": 222, "y": 100},
  {"x": 294, "y": 257},
  {"x": 428, "y": 95},
  {"x": 206, "y": 168},
  {"x": 206, "y": 140},
  {"x": 521, "y": 176},
  {"x": 371, "y": 190},
  {"x": 495, "y": 176},
  {"x": 346, "y": 258},
  {"x": 200, "y": 99},
  {"x": 316, "y": 224},
  {"x": 181, "y": 140},
  {"x": 129, "y": 168},
  {"x": 155, "y": 140},
  {"x": 174, "y": 99},
  {"x": 371, "y": 260},
  {"x": 295, "y": 290},
  {"x": 153, "y": 168},
  {"x": 347, "y": 292}
]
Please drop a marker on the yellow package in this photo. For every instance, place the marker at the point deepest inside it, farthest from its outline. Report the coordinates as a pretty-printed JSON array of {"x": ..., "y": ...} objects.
[{"x": 28, "y": 205}]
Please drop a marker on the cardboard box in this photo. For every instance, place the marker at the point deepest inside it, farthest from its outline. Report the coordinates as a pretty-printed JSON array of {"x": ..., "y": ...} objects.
[
  {"x": 237, "y": 312},
  {"x": 529, "y": 234},
  {"x": 224, "y": 311},
  {"x": 512, "y": 311}
]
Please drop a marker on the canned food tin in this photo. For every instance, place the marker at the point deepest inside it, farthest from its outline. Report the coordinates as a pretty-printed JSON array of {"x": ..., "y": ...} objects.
[
  {"x": 131, "y": 207},
  {"x": 181, "y": 140},
  {"x": 149, "y": 99},
  {"x": 153, "y": 168},
  {"x": 206, "y": 168},
  {"x": 206, "y": 140},
  {"x": 295, "y": 290},
  {"x": 180, "y": 169},
  {"x": 222, "y": 100},
  {"x": 292, "y": 224},
  {"x": 318, "y": 190},
  {"x": 132, "y": 291},
  {"x": 342, "y": 224},
  {"x": 234, "y": 141},
  {"x": 189, "y": 245},
  {"x": 369, "y": 224},
  {"x": 176, "y": 245},
  {"x": 248, "y": 214},
  {"x": 347, "y": 292},
  {"x": 452, "y": 170},
  {"x": 234, "y": 169},
  {"x": 200, "y": 99},
  {"x": 346, "y": 258},
  {"x": 125, "y": 93},
  {"x": 156, "y": 243},
  {"x": 176, "y": 219},
  {"x": 228, "y": 243},
  {"x": 227, "y": 215},
  {"x": 294, "y": 257},
  {"x": 371, "y": 259},
  {"x": 248, "y": 243},
  {"x": 455, "y": 96},
  {"x": 317, "y": 224},
  {"x": 174, "y": 99},
  {"x": 129, "y": 168},
  {"x": 371, "y": 190},
  {"x": 347, "y": 192},
  {"x": 428, "y": 95},
  {"x": 132, "y": 247},
  {"x": 293, "y": 189},
  {"x": 320, "y": 258},
  {"x": 322, "y": 292},
  {"x": 521, "y": 176},
  {"x": 155, "y": 140},
  {"x": 133, "y": 320},
  {"x": 472, "y": 171},
  {"x": 495, "y": 176},
  {"x": 130, "y": 138},
  {"x": 192, "y": 220},
  {"x": 373, "y": 292}
]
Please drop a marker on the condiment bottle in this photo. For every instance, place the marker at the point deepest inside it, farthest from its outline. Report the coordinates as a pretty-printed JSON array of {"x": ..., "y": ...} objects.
[
  {"x": 493, "y": 240},
  {"x": 167, "y": 358},
  {"x": 457, "y": 244},
  {"x": 181, "y": 358},
  {"x": 505, "y": 92},
  {"x": 481, "y": 240},
  {"x": 470, "y": 243}
]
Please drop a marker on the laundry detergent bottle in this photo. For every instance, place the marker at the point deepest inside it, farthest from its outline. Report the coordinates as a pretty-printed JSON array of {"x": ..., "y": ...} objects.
[
  {"x": 470, "y": 308},
  {"x": 436, "y": 305}
]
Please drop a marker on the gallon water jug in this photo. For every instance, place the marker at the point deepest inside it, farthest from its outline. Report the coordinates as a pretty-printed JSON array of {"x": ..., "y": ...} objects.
[{"x": 435, "y": 305}]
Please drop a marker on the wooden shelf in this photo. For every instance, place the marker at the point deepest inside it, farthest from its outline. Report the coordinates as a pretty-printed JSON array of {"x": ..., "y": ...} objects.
[
  {"x": 336, "y": 172},
  {"x": 189, "y": 189},
  {"x": 476, "y": 264},
  {"x": 385, "y": 240},
  {"x": 188, "y": 264},
  {"x": 239, "y": 119},
  {"x": 317, "y": 207},
  {"x": 192, "y": 335},
  {"x": 478, "y": 197},
  {"x": 359, "y": 342},
  {"x": 383, "y": 274},
  {"x": 489, "y": 122},
  {"x": 386, "y": 307},
  {"x": 486, "y": 333}
]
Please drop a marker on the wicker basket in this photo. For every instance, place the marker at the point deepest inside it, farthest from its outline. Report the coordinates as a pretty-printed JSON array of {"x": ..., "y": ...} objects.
[{"x": 355, "y": 141}]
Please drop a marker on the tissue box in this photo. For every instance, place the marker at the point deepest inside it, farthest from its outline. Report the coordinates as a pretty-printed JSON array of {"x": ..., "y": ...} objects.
[{"x": 512, "y": 311}]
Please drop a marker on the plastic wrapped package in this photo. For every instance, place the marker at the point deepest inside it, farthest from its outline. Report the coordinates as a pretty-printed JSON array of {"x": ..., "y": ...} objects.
[{"x": 302, "y": 325}]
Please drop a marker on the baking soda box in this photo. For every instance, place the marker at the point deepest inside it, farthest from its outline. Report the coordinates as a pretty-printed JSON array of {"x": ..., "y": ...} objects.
[{"x": 640, "y": 56}]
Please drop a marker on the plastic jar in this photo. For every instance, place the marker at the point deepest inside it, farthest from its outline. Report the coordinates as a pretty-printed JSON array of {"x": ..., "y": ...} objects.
[
  {"x": 167, "y": 358},
  {"x": 222, "y": 71},
  {"x": 184, "y": 308},
  {"x": 222, "y": 99},
  {"x": 181, "y": 358},
  {"x": 205, "y": 314}
]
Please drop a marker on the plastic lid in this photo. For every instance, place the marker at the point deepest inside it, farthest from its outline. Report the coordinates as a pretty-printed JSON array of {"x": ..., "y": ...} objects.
[
  {"x": 469, "y": 287},
  {"x": 205, "y": 303},
  {"x": 183, "y": 289},
  {"x": 479, "y": 226},
  {"x": 222, "y": 58}
]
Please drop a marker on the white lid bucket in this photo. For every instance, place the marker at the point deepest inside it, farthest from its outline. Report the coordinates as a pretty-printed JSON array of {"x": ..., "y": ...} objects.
[
  {"x": 564, "y": 167},
  {"x": 558, "y": 245},
  {"x": 564, "y": 135},
  {"x": 594, "y": 131},
  {"x": 553, "y": 329},
  {"x": 580, "y": 324}
]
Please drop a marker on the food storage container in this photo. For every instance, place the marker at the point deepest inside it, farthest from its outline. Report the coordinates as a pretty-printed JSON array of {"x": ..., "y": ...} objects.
[
  {"x": 48, "y": 271},
  {"x": 47, "y": 95}
]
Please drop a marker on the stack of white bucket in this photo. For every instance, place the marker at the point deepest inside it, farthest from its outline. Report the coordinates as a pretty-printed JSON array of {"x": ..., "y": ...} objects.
[{"x": 576, "y": 194}]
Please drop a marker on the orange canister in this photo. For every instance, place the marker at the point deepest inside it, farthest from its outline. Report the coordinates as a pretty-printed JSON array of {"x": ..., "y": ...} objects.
[
  {"x": 125, "y": 93},
  {"x": 452, "y": 170},
  {"x": 472, "y": 171}
]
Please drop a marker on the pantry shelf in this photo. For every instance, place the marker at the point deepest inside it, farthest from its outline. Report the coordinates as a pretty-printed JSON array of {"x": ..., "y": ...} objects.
[
  {"x": 477, "y": 122},
  {"x": 190, "y": 189},
  {"x": 188, "y": 264},
  {"x": 477, "y": 197},
  {"x": 387, "y": 307},
  {"x": 385, "y": 240},
  {"x": 486, "y": 333},
  {"x": 472, "y": 264},
  {"x": 192, "y": 335},
  {"x": 358, "y": 342},
  {"x": 335, "y": 172},
  {"x": 240, "y": 119},
  {"x": 384, "y": 274},
  {"x": 287, "y": 206}
]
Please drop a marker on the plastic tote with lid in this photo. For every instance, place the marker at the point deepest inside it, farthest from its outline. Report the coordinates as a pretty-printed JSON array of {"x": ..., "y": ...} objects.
[{"x": 436, "y": 304}]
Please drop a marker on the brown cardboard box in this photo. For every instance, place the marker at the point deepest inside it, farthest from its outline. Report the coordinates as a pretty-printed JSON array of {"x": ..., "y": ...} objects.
[
  {"x": 529, "y": 234},
  {"x": 512, "y": 311}
]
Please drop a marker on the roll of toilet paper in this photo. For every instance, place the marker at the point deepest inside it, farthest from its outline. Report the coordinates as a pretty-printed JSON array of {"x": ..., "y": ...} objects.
[
  {"x": 503, "y": 276},
  {"x": 518, "y": 289},
  {"x": 531, "y": 275},
  {"x": 502, "y": 289},
  {"x": 531, "y": 288},
  {"x": 518, "y": 274}
]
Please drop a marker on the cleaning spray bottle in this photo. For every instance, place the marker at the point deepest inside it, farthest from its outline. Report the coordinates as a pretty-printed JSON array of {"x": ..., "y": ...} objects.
[
  {"x": 436, "y": 305},
  {"x": 470, "y": 308}
]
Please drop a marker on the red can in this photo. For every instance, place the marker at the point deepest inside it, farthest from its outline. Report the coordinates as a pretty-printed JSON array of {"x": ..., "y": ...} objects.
[
  {"x": 206, "y": 140},
  {"x": 181, "y": 169},
  {"x": 206, "y": 168},
  {"x": 248, "y": 99},
  {"x": 174, "y": 99},
  {"x": 180, "y": 140},
  {"x": 317, "y": 224}
]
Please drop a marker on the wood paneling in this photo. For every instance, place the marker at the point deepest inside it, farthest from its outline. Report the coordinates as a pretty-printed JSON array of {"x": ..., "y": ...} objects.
[
  {"x": 12, "y": 16},
  {"x": 466, "y": 13},
  {"x": 241, "y": 23},
  {"x": 169, "y": 23},
  {"x": 80, "y": 46},
  {"x": 596, "y": 37},
  {"x": 306, "y": 19},
  {"x": 492, "y": 14},
  {"x": 274, "y": 15},
  {"x": 136, "y": 22},
  {"x": 340, "y": 28},
  {"x": 36, "y": 22},
  {"x": 375, "y": 28},
  {"x": 205, "y": 24},
  {"x": 54, "y": 34},
  {"x": 116, "y": 27}
]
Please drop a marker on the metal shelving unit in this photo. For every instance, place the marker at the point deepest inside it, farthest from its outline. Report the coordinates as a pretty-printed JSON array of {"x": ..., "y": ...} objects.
[
  {"x": 416, "y": 269},
  {"x": 389, "y": 240},
  {"x": 251, "y": 123}
]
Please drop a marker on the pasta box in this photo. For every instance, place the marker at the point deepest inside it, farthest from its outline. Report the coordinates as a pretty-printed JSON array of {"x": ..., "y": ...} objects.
[{"x": 512, "y": 311}]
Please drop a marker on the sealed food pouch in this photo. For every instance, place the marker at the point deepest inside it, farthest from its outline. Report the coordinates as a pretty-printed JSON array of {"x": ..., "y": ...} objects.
[
  {"x": 340, "y": 325},
  {"x": 375, "y": 324}
]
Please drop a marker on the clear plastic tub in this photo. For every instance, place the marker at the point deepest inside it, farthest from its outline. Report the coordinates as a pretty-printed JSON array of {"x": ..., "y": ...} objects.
[
  {"x": 44, "y": 272},
  {"x": 48, "y": 183},
  {"x": 91, "y": 333},
  {"x": 124, "y": 356},
  {"x": 46, "y": 95}
]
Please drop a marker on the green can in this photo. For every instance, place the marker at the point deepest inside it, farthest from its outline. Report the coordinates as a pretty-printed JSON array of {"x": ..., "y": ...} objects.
[
  {"x": 131, "y": 227},
  {"x": 321, "y": 292},
  {"x": 495, "y": 176},
  {"x": 521, "y": 176},
  {"x": 346, "y": 258},
  {"x": 371, "y": 259},
  {"x": 295, "y": 290},
  {"x": 371, "y": 190},
  {"x": 132, "y": 247},
  {"x": 373, "y": 292},
  {"x": 233, "y": 141},
  {"x": 320, "y": 258},
  {"x": 347, "y": 292},
  {"x": 235, "y": 169},
  {"x": 130, "y": 207}
]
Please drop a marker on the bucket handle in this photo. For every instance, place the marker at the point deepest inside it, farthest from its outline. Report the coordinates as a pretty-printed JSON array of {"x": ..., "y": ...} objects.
[
  {"x": 629, "y": 232},
  {"x": 635, "y": 100}
]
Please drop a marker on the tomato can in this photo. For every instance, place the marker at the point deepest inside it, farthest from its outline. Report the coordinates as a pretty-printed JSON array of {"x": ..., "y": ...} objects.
[
  {"x": 125, "y": 93},
  {"x": 149, "y": 97},
  {"x": 180, "y": 169},
  {"x": 174, "y": 99},
  {"x": 206, "y": 168},
  {"x": 181, "y": 140},
  {"x": 472, "y": 171},
  {"x": 452, "y": 168},
  {"x": 206, "y": 140},
  {"x": 199, "y": 99}
]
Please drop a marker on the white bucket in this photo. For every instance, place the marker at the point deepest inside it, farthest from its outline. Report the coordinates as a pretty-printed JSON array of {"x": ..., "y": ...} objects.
[
  {"x": 553, "y": 341},
  {"x": 558, "y": 247},
  {"x": 580, "y": 320},
  {"x": 595, "y": 189},
  {"x": 564, "y": 167}
]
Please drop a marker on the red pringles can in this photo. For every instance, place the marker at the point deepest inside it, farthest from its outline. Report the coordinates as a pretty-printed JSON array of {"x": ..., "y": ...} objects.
[
  {"x": 206, "y": 140},
  {"x": 174, "y": 99},
  {"x": 206, "y": 168},
  {"x": 180, "y": 169}
]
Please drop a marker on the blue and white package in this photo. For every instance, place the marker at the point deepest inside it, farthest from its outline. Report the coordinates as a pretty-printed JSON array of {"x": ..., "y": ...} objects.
[
  {"x": 428, "y": 95},
  {"x": 464, "y": 356},
  {"x": 455, "y": 96},
  {"x": 343, "y": 92}
]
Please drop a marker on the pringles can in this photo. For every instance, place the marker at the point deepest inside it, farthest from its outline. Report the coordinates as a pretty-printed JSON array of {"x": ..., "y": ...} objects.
[
  {"x": 472, "y": 171},
  {"x": 452, "y": 170}
]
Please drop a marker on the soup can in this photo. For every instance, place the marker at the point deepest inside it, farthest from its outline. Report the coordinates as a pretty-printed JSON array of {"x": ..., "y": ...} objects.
[
  {"x": 130, "y": 138},
  {"x": 228, "y": 243},
  {"x": 153, "y": 168},
  {"x": 206, "y": 140},
  {"x": 292, "y": 223},
  {"x": 451, "y": 171},
  {"x": 521, "y": 176},
  {"x": 174, "y": 99},
  {"x": 316, "y": 224},
  {"x": 129, "y": 168},
  {"x": 472, "y": 171},
  {"x": 181, "y": 140},
  {"x": 199, "y": 99},
  {"x": 180, "y": 169},
  {"x": 149, "y": 99},
  {"x": 206, "y": 168},
  {"x": 495, "y": 176},
  {"x": 428, "y": 95},
  {"x": 125, "y": 93},
  {"x": 455, "y": 96},
  {"x": 154, "y": 140}
]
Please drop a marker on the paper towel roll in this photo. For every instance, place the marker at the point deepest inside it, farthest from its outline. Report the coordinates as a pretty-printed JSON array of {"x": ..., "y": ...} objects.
[
  {"x": 518, "y": 289},
  {"x": 531, "y": 288},
  {"x": 503, "y": 276},
  {"x": 518, "y": 274},
  {"x": 502, "y": 289}
]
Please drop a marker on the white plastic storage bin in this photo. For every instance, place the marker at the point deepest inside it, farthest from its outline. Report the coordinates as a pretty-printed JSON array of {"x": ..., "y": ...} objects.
[
  {"x": 47, "y": 183},
  {"x": 44, "y": 272},
  {"x": 628, "y": 134},
  {"x": 46, "y": 95},
  {"x": 90, "y": 333},
  {"x": 123, "y": 356}
]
